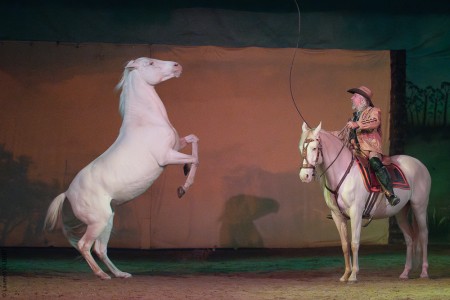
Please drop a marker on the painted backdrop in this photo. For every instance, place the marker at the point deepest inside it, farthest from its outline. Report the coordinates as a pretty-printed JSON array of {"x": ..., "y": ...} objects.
[{"x": 59, "y": 111}]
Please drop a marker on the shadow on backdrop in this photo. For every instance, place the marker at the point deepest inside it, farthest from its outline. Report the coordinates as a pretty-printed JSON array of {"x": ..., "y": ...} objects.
[{"x": 238, "y": 229}]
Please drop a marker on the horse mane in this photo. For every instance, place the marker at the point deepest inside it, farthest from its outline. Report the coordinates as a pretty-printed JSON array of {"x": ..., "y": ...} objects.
[
  {"x": 124, "y": 86},
  {"x": 342, "y": 135},
  {"x": 339, "y": 137}
]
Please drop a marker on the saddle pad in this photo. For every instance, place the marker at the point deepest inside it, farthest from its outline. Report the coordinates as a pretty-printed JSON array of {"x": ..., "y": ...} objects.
[{"x": 370, "y": 179}]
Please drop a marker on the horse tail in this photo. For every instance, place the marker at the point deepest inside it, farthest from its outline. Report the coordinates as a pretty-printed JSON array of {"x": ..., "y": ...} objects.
[{"x": 54, "y": 212}]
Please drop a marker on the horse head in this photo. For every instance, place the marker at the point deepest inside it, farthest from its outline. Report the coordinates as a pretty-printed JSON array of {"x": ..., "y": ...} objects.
[
  {"x": 311, "y": 151},
  {"x": 154, "y": 71},
  {"x": 149, "y": 72}
]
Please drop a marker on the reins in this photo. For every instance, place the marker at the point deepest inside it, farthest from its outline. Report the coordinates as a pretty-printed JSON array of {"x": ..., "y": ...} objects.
[
  {"x": 334, "y": 160},
  {"x": 335, "y": 192},
  {"x": 339, "y": 153}
]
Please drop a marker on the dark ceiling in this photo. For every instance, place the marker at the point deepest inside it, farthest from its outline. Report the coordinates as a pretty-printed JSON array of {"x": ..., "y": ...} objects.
[{"x": 386, "y": 6}]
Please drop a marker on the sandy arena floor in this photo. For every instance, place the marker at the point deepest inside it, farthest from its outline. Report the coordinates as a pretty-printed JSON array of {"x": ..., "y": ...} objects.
[{"x": 50, "y": 273}]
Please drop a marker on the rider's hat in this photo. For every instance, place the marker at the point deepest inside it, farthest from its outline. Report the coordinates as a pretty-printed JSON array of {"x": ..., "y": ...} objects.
[{"x": 363, "y": 91}]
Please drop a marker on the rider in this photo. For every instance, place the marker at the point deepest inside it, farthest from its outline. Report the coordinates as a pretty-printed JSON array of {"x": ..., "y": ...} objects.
[{"x": 365, "y": 135}]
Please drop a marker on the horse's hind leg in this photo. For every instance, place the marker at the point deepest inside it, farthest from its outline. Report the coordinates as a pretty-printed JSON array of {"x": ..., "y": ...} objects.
[
  {"x": 421, "y": 230},
  {"x": 100, "y": 248},
  {"x": 403, "y": 224},
  {"x": 93, "y": 231}
]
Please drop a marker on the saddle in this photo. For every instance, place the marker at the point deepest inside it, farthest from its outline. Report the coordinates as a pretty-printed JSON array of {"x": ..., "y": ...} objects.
[{"x": 370, "y": 180}]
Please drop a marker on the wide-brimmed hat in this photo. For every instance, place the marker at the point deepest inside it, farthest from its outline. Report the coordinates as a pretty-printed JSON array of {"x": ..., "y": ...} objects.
[{"x": 363, "y": 91}]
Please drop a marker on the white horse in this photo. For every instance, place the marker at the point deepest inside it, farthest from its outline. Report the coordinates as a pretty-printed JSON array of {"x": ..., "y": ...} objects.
[
  {"x": 147, "y": 142},
  {"x": 346, "y": 195}
]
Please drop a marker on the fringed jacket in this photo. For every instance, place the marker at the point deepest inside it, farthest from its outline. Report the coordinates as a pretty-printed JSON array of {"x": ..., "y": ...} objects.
[{"x": 369, "y": 131}]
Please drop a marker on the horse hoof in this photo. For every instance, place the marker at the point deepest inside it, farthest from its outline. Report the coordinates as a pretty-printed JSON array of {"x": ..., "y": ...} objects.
[
  {"x": 123, "y": 275},
  {"x": 103, "y": 276},
  {"x": 181, "y": 192},
  {"x": 186, "y": 169}
]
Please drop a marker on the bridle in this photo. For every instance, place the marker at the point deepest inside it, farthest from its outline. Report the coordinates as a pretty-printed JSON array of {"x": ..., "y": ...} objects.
[
  {"x": 308, "y": 164},
  {"x": 304, "y": 153}
]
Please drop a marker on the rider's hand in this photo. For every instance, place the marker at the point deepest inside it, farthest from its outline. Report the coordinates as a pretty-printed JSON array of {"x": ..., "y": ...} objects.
[{"x": 352, "y": 125}]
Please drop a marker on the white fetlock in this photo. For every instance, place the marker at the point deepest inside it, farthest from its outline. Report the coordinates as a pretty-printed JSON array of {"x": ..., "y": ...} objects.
[
  {"x": 123, "y": 275},
  {"x": 103, "y": 275}
]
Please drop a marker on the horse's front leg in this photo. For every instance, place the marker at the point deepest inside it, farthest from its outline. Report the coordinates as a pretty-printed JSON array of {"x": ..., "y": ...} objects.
[
  {"x": 355, "y": 220},
  {"x": 174, "y": 157},
  {"x": 183, "y": 142},
  {"x": 341, "y": 225},
  {"x": 191, "y": 169}
]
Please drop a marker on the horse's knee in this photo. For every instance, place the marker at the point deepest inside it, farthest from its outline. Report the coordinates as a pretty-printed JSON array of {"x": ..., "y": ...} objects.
[
  {"x": 83, "y": 246},
  {"x": 100, "y": 248},
  {"x": 192, "y": 138},
  {"x": 408, "y": 241},
  {"x": 345, "y": 248},
  {"x": 100, "y": 252}
]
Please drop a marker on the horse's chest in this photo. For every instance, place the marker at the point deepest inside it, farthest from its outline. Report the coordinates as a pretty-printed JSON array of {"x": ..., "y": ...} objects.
[
  {"x": 154, "y": 138},
  {"x": 135, "y": 180}
]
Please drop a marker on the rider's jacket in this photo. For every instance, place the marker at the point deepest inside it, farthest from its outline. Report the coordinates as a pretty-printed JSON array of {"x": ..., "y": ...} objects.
[{"x": 368, "y": 134}]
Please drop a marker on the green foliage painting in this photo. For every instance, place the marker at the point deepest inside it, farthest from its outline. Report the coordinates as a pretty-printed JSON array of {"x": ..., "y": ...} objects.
[{"x": 428, "y": 139}]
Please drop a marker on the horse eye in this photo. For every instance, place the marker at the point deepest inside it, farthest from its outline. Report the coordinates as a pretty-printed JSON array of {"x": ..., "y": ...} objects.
[{"x": 151, "y": 63}]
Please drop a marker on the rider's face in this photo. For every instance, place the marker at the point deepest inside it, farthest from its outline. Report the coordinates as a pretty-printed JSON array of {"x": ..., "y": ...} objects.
[{"x": 358, "y": 101}]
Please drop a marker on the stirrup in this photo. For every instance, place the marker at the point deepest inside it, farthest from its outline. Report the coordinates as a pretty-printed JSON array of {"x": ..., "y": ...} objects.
[{"x": 392, "y": 199}]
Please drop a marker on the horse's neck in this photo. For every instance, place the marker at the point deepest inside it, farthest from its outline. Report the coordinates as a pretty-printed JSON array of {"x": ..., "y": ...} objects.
[
  {"x": 143, "y": 105},
  {"x": 334, "y": 164}
]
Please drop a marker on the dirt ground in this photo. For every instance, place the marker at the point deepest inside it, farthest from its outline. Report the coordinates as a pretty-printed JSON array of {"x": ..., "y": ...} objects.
[{"x": 60, "y": 273}]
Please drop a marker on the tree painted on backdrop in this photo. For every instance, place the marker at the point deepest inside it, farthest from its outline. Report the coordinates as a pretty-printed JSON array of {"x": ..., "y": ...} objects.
[{"x": 22, "y": 201}]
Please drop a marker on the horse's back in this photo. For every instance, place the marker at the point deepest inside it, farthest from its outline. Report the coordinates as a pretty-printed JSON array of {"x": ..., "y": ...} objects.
[
  {"x": 410, "y": 164},
  {"x": 415, "y": 171},
  {"x": 119, "y": 173}
]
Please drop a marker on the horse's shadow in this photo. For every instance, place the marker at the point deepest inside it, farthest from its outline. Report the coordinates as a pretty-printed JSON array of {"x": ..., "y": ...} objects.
[{"x": 237, "y": 221}]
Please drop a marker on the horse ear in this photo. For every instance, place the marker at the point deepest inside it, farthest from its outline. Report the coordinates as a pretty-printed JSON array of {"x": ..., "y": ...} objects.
[
  {"x": 305, "y": 127},
  {"x": 318, "y": 128},
  {"x": 132, "y": 64}
]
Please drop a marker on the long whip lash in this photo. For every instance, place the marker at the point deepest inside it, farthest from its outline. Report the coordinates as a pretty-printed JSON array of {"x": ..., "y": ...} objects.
[{"x": 292, "y": 65}]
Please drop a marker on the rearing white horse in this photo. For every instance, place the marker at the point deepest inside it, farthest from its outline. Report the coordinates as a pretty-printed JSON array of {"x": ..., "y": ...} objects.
[
  {"x": 147, "y": 142},
  {"x": 346, "y": 195}
]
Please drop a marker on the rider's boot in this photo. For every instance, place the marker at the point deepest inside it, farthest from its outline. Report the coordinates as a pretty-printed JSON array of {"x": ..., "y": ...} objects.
[{"x": 385, "y": 180}]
